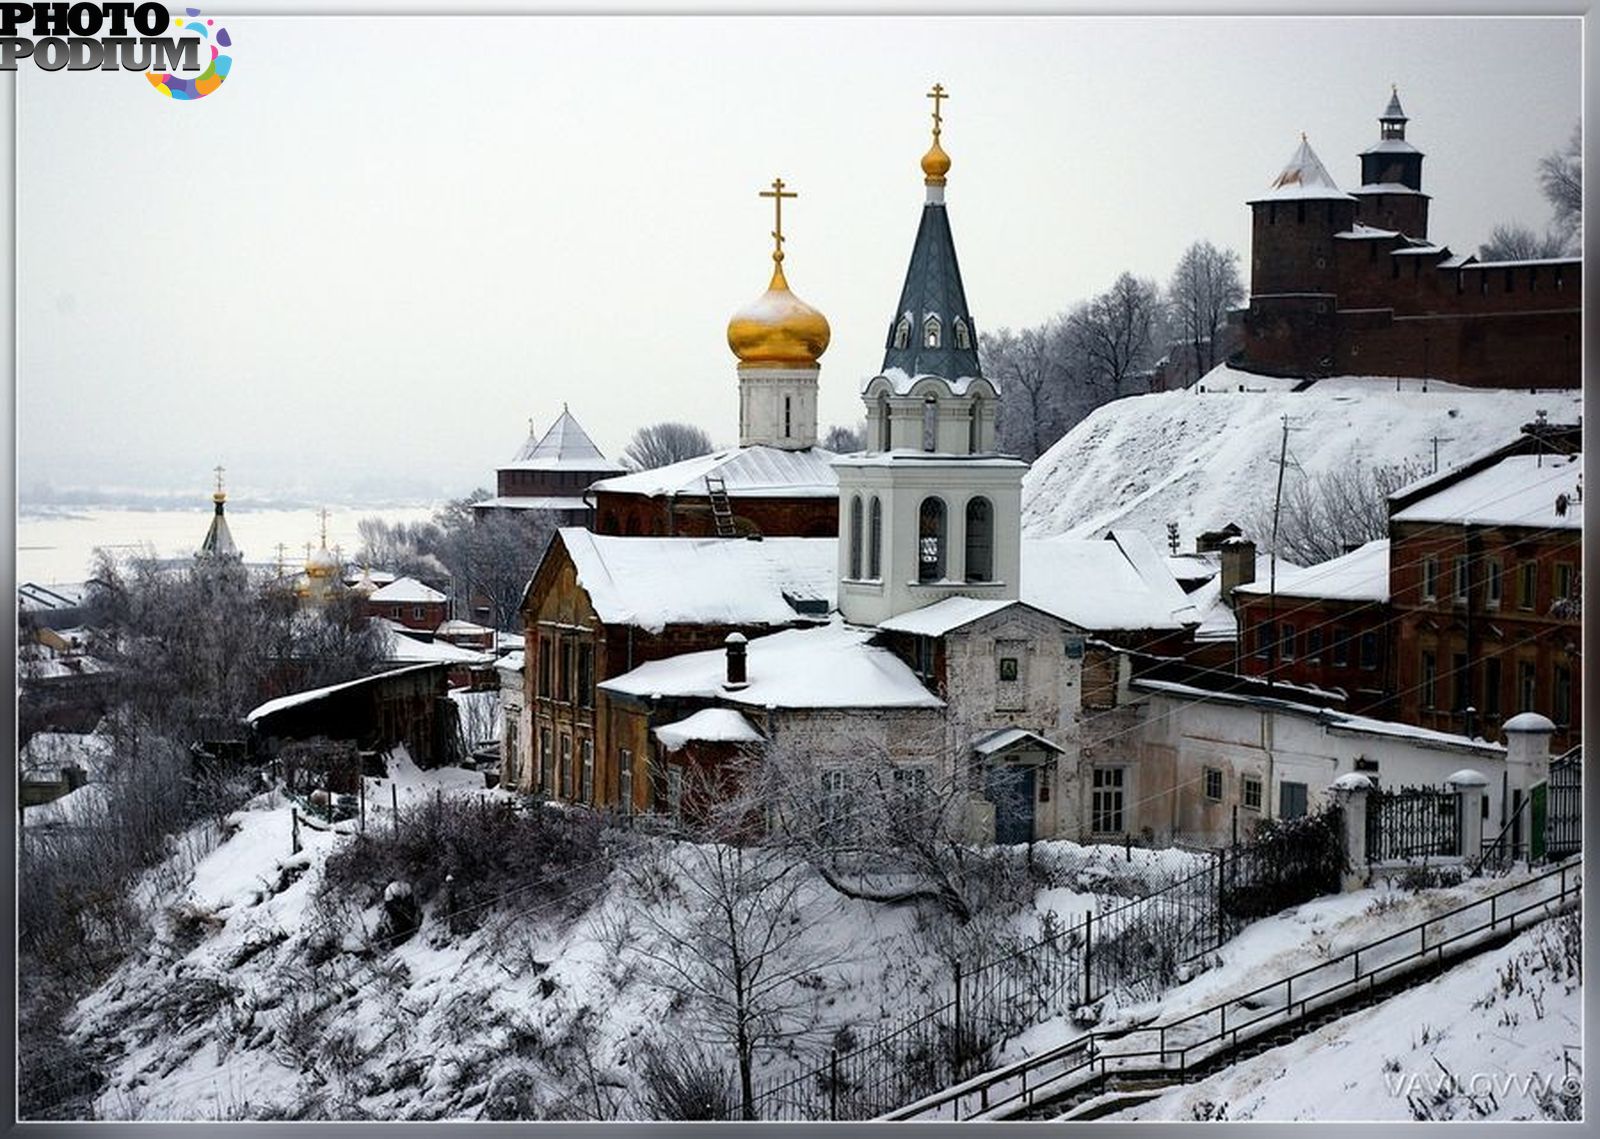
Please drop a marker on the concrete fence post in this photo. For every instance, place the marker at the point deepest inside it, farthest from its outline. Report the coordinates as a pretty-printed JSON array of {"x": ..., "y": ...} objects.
[
  {"x": 1527, "y": 750},
  {"x": 1469, "y": 788},
  {"x": 1350, "y": 793}
]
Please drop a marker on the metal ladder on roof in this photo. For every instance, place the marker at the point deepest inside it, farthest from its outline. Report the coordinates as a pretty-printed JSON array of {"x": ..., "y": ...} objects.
[{"x": 721, "y": 507}]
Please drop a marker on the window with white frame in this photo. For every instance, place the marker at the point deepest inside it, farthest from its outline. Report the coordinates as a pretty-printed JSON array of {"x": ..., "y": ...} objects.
[{"x": 1106, "y": 800}]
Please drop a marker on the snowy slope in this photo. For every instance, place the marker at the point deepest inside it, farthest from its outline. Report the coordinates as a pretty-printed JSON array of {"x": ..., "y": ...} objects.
[
  {"x": 247, "y": 1003},
  {"x": 1205, "y": 459},
  {"x": 1504, "y": 1025}
]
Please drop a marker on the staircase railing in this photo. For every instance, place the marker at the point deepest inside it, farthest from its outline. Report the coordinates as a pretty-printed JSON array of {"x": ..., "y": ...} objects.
[{"x": 1176, "y": 1046}]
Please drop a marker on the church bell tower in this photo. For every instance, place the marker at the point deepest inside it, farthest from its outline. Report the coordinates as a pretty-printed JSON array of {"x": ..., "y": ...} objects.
[{"x": 930, "y": 510}]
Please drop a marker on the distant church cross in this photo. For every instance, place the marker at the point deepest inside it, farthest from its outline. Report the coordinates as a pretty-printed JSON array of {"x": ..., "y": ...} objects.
[
  {"x": 938, "y": 95},
  {"x": 218, "y": 469},
  {"x": 323, "y": 514},
  {"x": 777, "y": 194}
]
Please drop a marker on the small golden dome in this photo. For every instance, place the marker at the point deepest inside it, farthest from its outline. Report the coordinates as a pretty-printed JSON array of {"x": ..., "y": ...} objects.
[
  {"x": 778, "y": 329},
  {"x": 935, "y": 164},
  {"x": 322, "y": 563}
]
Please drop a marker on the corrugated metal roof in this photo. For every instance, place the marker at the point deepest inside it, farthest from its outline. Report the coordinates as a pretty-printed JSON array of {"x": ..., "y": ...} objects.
[{"x": 753, "y": 471}]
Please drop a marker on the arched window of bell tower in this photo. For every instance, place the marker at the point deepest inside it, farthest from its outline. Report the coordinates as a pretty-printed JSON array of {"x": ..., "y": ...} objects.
[
  {"x": 931, "y": 539},
  {"x": 930, "y": 332},
  {"x": 902, "y": 332},
  {"x": 855, "y": 537},
  {"x": 875, "y": 540}
]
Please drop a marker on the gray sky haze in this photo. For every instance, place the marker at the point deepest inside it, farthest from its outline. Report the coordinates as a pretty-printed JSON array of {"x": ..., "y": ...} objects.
[{"x": 360, "y": 267}]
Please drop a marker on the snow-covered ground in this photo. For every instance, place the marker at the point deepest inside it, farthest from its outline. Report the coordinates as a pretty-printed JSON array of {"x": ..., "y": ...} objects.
[
  {"x": 1498, "y": 1037},
  {"x": 252, "y": 1002},
  {"x": 1206, "y": 459}
]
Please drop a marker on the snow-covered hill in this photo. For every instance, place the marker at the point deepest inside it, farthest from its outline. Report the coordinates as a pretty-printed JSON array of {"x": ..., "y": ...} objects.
[
  {"x": 1204, "y": 459},
  {"x": 1498, "y": 1037},
  {"x": 259, "y": 996}
]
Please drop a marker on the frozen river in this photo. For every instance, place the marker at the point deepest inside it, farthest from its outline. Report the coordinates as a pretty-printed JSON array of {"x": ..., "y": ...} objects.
[{"x": 58, "y": 546}]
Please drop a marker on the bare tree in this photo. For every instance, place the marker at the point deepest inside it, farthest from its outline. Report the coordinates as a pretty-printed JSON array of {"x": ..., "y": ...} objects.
[
  {"x": 877, "y": 830},
  {"x": 1204, "y": 287},
  {"x": 1030, "y": 368},
  {"x": 1326, "y": 515},
  {"x": 1113, "y": 330},
  {"x": 1561, "y": 182},
  {"x": 195, "y": 647},
  {"x": 737, "y": 952},
  {"x": 1561, "y": 179},
  {"x": 484, "y": 558},
  {"x": 662, "y": 443},
  {"x": 846, "y": 440},
  {"x": 1513, "y": 241}
]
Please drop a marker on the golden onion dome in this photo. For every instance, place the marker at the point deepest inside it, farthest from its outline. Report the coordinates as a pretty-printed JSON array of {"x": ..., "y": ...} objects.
[
  {"x": 322, "y": 563},
  {"x": 935, "y": 164},
  {"x": 778, "y": 329}
]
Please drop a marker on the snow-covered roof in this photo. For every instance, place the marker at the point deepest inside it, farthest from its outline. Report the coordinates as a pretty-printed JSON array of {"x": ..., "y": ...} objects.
[
  {"x": 651, "y": 583},
  {"x": 455, "y": 627},
  {"x": 511, "y": 662},
  {"x": 1528, "y": 261},
  {"x": 1388, "y": 188},
  {"x": 902, "y": 456},
  {"x": 1419, "y": 251},
  {"x": 714, "y": 725},
  {"x": 402, "y": 646},
  {"x": 753, "y": 471},
  {"x": 406, "y": 590},
  {"x": 294, "y": 699},
  {"x": 1331, "y": 719},
  {"x": 31, "y": 596},
  {"x": 1104, "y": 584},
  {"x": 1362, "y": 232},
  {"x": 942, "y": 616},
  {"x": 1391, "y": 146},
  {"x": 532, "y": 502},
  {"x": 899, "y": 382},
  {"x": 991, "y": 743},
  {"x": 1360, "y": 575},
  {"x": 1303, "y": 177},
  {"x": 1519, "y": 490},
  {"x": 565, "y": 447},
  {"x": 831, "y": 666},
  {"x": 1217, "y": 619}
]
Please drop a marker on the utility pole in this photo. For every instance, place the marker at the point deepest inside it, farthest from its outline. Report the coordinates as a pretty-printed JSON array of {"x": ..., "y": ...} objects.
[{"x": 1272, "y": 572}]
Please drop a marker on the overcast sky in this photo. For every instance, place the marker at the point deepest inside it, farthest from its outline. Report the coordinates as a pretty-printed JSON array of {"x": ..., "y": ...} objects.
[{"x": 385, "y": 244}]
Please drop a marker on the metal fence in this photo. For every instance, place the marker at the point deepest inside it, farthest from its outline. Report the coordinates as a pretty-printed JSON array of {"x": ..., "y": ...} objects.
[
  {"x": 1136, "y": 947},
  {"x": 1563, "y": 821},
  {"x": 1413, "y": 822}
]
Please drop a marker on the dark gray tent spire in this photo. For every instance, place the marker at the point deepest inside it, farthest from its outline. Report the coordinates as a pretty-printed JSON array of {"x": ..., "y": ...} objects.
[{"x": 931, "y": 332}]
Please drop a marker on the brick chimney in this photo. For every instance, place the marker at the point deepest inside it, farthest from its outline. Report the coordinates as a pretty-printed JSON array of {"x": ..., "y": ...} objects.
[
  {"x": 735, "y": 643},
  {"x": 1238, "y": 565}
]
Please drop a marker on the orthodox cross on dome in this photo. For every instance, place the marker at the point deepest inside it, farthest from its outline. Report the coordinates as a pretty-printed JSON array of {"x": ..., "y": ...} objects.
[
  {"x": 777, "y": 194},
  {"x": 218, "y": 468},
  {"x": 323, "y": 514},
  {"x": 938, "y": 95}
]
